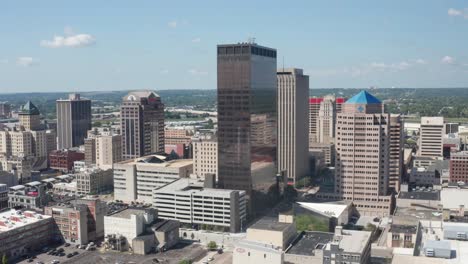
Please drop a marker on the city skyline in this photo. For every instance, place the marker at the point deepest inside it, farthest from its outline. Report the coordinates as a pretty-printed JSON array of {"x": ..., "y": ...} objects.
[{"x": 70, "y": 47}]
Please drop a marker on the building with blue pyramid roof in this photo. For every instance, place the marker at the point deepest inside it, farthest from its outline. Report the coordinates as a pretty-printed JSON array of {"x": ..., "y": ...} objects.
[
  {"x": 363, "y": 97},
  {"x": 363, "y": 102}
]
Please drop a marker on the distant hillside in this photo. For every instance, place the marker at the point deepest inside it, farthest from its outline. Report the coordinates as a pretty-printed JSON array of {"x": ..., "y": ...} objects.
[{"x": 449, "y": 102}]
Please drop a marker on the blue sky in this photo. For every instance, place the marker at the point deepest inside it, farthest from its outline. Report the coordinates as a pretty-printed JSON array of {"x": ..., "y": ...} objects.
[{"x": 116, "y": 45}]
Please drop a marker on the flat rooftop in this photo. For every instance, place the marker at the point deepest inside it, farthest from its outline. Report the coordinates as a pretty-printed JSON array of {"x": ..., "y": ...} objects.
[
  {"x": 187, "y": 185},
  {"x": 127, "y": 213},
  {"x": 12, "y": 219},
  {"x": 407, "y": 229},
  {"x": 353, "y": 241},
  {"x": 158, "y": 161},
  {"x": 420, "y": 195},
  {"x": 270, "y": 223},
  {"x": 417, "y": 214},
  {"x": 307, "y": 242},
  {"x": 249, "y": 244}
]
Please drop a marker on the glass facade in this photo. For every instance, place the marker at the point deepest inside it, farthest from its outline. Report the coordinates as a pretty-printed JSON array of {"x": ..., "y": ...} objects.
[{"x": 247, "y": 93}]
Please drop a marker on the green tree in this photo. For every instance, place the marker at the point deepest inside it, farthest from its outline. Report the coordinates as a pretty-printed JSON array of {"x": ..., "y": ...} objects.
[
  {"x": 185, "y": 261},
  {"x": 4, "y": 259},
  {"x": 212, "y": 245},
  {"x": 311, "y": 223}
]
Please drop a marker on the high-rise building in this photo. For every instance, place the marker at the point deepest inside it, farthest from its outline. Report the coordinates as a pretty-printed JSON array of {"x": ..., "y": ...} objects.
[
  {"x": 5, "y": 110},
  {"x": 108, "y": 150},
  {"x": 293, "y": 129},
  {"x": 314, "y": 108},
  {"x": 247, "y": 89},
  {"x": 73, "y": 121},
  {"x": 322, "y": 118},
  {"x": 396, "y": 152},
  {"x": 363, "y": 139},
  {"x": 27, "y": 141},
  {"x": 205, "y": 153},
  {"x": 326, "y": 120},
  {"x": 90, "y": 150},
  {"x": 29, "y": 116},
  {"x": 430, "y": 137},
  {"x": 459, "y": 167},
  {"x": 142, "y": 124}
]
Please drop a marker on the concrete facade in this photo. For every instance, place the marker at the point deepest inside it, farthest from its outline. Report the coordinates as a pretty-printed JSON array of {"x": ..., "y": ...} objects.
[
  {"x": 293, "y": 92},
  {"x": 23, "y": 232},
  {"x": 430, "y": 137},
  {"x": 363, "y": 139},
  {"x": 205, "y": 154},
  {"x": 187, "y": 201},
  {"x": 135, "y": 179},
  {"x": 142, "y": 124},
  {"x": 73, "y": 121}
]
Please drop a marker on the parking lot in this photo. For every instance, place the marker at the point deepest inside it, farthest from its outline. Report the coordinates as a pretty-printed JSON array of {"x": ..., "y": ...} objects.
[
  {"x": 47, "y": 259},
  {"x": 173, "y": 256}
]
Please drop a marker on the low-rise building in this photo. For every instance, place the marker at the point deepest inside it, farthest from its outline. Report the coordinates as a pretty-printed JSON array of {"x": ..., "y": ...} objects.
[
  {"x": 135, "y": 179},
  {"x": 63, "y": 159},
  {"x": 71, "y": 222},
  {"x": 23, "y": 232},
  {"x": 418, "y": 198},
  {"x": 80, "y": 220},
  {"x": 308, "y": 247},
  {"x": 331, "y": 213},
  {"x": 129, "y": 223},
  {"x": 253, "y": 252},
  {"x": 348, "y": 246},
  {"x": 31, "y": 196},
  {"x": 166, "y": 233},
  {"x": 404, "y": 235},
  {"x": 438, "y": 249},
  {"x": 455, "y": 231},
  {"x": 188, "y": 201},
  {"x": 273, "y": 232},
  {"x": 92, "y": 180}
]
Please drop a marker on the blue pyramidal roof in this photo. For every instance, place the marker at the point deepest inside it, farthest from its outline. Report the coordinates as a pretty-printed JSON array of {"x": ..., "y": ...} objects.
[{"x": 363, "y": 97}]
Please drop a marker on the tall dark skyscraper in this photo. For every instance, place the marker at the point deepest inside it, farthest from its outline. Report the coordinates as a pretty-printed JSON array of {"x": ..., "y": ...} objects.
[
  {"x": 73, "y": 121},
  {"x": 142, "y": 124},
  {"x": 247, "y": 91}
]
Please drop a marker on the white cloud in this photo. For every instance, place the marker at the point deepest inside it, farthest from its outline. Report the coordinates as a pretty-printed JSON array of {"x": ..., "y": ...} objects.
[
  {"x": 197, "y": 72},
  {"x": 164, "y": 71},
  {"x": 447, "y": 60},
  {"x": 420, "y": 61},
  {"x": 458, "y": 12},
  {"x": 454, "y": 12},
  {"x": 3, "y": 61},
  {"x": 26, "y": 61},
  {"x": 391, "y": 67},
  {"x": 69, "y": 40},
  {"x": 196, "y": 40},
  {"x": 172, "y": 24}
]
